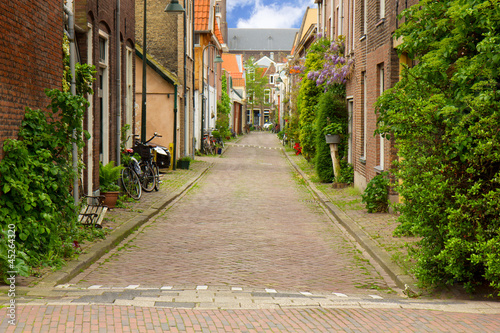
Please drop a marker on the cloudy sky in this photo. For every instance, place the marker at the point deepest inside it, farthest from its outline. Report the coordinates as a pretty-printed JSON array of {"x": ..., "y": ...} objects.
[{"x": 266, "y": 13}]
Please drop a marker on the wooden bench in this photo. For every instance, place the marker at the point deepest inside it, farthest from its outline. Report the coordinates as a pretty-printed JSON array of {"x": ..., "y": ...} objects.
[{"x": 93, "y": 209}]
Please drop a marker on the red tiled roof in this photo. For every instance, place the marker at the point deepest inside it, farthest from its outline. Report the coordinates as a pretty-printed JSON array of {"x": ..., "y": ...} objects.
[
  {"x": 230, "y": 64},
  {"x": 218, "y": 34},
  {"x": 201, "y": 14}
]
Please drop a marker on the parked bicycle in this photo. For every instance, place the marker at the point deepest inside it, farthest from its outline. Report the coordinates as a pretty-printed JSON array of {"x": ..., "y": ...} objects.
[
  {"x": 207, "y": 144},
  {"x": 130, "y": 176},
  {"x": 144, "y": 174},
  {"x": 150, "y": 179}
]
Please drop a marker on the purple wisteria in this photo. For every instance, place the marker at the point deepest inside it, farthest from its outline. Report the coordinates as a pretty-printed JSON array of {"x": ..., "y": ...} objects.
[{"x": 336, "y": 67}]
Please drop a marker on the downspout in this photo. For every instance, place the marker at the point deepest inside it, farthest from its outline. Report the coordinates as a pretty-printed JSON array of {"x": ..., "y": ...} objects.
[
  {"x": 332, "y": 22},
  {"x": 72, "y": 54},
  {"x": 118, "y": 84},
  {"x": 194, "y": 81},
  {"x": 175, "y": 128},
  {"x": 186, "y": 118}
]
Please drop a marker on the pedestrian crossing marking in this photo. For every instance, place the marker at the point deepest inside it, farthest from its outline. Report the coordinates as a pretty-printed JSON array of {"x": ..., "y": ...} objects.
[
  {"x": 97, "y": 286},
  {"x": 132, "y": 286},
  {"x": 375, "y": 297},
  {"x": 340, "y": 294},
  {"x": 201, "y": 287},
  {"x": 271, "y": 291}
]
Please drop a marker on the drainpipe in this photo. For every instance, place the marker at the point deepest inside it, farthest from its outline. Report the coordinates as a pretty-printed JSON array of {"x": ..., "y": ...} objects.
[
  {"x": 72, "y": 55},
  {"x": 118, "y": 84},
  {"x": 175, "y": 129},
  {"x": 193, "y": 78},
  {"x": 186, "y": 118}
]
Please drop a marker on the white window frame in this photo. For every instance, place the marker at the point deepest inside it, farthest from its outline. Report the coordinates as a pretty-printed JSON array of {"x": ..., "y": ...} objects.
[
  {"x": 382, "y": 140},
  {"x": 104, "y": 157},
  {"x": 365, "y": 116},
  {"x": 129, "y": 81},
  {"x": 381, "y": 9},
  {"x": 90, "y": 116},
  {"x": 267, "y": 96}
]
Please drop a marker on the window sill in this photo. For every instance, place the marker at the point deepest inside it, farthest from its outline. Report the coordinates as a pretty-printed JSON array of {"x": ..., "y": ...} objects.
[
  {"x": 378, "y": 169},
  {"x": 381, "y": 22},
  {"x": 362, "y": 38},
  {"x": 362, "y": 159}
]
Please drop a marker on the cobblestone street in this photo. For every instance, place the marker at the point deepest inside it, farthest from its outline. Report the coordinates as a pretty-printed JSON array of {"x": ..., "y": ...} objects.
[
  {"x": 249, "y": 222},
  {"x": 239, "y": 243}
]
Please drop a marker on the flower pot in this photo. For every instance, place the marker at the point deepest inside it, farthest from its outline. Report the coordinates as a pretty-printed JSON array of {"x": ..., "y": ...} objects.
[
  {"x": 110, "y": 198},
  {"x": 183, "y": 164},
  {"x": 332, "y": 138}
]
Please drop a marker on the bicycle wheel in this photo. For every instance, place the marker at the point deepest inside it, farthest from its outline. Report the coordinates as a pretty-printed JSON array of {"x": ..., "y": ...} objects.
[
  {"x": 156, "y": 169},
  {"x": 131, "y": 183},
  {"x": 148, "y": 177}
]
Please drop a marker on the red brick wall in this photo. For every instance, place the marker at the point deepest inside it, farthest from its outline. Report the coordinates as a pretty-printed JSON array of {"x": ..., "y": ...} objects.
[
  {"x": 30, "y": 58},
  {"x": 101, "y": 14},
  {"x": 370, "y": 52}
]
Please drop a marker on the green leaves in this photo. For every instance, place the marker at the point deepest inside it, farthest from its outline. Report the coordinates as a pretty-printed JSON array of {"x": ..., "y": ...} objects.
[
  {"x": 444, "y": 115},
  {"x": 376, "y": 194}
]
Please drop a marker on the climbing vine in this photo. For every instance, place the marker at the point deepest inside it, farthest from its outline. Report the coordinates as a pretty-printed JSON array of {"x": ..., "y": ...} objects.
[{"x": 36, "y": 176}]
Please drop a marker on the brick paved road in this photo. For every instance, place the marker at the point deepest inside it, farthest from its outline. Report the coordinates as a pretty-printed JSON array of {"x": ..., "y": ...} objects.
[
  {"x": 107, "y": 318},
  {"x": 248, "y": 223},
  {"x": 246, "y": 250}
]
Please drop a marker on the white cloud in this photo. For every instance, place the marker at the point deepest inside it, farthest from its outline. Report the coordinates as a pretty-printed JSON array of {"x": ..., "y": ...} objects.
[
  {"x": 231, "y": 4},
  {"x": 278, "y": 15}
]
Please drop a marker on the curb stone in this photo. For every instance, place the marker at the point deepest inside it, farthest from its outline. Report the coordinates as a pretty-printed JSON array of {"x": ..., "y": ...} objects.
[{"x": 395, "y": 272}]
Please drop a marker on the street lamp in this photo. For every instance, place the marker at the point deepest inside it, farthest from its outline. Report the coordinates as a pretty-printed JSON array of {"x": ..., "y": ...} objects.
[
  {"x": 217, "y": 60},
  {"x": 173, "y": 7}
]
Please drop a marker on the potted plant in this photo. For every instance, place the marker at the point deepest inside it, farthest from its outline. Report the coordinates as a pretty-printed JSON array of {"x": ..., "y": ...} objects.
[
  {"x": 183, "y": 163},
  {"x": 108, "y": 180},
  {"x": 333, "y": 133}
]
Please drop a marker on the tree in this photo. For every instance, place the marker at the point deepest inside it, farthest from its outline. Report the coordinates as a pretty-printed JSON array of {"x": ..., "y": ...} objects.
[
  {"x": 223, "y": 111},
  {"x": 444, "y": 115},
  {"x": 255, "y": 84}
]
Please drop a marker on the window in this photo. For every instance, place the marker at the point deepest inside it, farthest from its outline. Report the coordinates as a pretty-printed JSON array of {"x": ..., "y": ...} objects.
[
  {"x": 350, "y": 108},
  {"x": 102, "y": 49},
  {"x": 267, "y": 96},
  {"x": 381, "y": 9},
  {"x": 103, "y": 95},
  {"x": 197, "y": 39},
  {"x": 364, "y": 26},
  {"x": 381, "y": 151},
  {"x": 364, "y": 116},
  {"x": 271, "y": 79},
  {"x": 250, "y": 96},
  {"x": 129, "y": 107},
  {"x": 251, "y": 74}
]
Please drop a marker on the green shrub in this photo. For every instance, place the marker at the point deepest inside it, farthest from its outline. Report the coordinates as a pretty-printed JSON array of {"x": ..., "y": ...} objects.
[
  {"x": 376, "y": 195},
  {"x": 331, "y": 110},
  {"x": 444, "y": 115},
  {"x": 346, "y": 173}
]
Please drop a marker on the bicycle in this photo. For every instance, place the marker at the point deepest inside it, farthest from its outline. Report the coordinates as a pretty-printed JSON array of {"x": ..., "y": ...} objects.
[
  {"x": 150, "y": 171},
  {"x": 207, "y": 145},
  {"x": 130, "y": 179}
]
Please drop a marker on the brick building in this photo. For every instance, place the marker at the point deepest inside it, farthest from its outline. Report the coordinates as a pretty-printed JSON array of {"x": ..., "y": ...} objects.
[
  {"x": 30, "y": 59},
  {"x": 99, "y": 40},
  {"x": 368, "y": 26},
  {"x": 209, "y": 43},
  {"x": 170, "y": 43}
]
